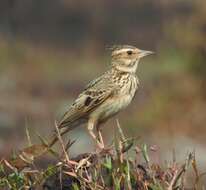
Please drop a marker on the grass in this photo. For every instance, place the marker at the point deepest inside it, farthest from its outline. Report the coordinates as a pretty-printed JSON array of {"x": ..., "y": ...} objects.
[{"x": 113, "y": 168}]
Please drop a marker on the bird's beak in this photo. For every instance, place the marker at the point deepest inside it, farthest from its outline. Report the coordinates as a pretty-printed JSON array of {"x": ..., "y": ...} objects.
[{"x": 144, "y": 53}]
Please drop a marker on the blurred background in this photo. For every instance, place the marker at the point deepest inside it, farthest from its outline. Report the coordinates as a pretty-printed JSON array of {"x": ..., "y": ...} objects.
[{"x": 50, "y": 49}]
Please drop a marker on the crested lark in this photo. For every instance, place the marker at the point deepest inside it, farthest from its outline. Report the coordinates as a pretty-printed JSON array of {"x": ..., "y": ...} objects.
[{"x": 108, "y": 94}]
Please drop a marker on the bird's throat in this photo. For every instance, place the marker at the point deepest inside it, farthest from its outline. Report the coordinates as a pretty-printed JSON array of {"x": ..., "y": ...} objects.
[{"x": 127, "y": 67}]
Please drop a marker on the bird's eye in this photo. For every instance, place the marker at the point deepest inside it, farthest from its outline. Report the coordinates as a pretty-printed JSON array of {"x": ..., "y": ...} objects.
[{"x": 129, "y": 52}]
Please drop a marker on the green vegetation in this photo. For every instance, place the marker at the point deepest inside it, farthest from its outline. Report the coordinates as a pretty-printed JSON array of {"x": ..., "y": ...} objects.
[{"x": 113, "y": 168}]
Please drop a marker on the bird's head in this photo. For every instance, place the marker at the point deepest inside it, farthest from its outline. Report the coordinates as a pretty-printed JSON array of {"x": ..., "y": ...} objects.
[{"x": 126, "y": 58}]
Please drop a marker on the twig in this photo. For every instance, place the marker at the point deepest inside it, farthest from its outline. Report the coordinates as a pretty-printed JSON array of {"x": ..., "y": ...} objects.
[
  {"x": 180, "y": 174},
  {"x": 60, "y": 177},
  {"x": 173, "y": 181},
  {"x": 28, "y": 136},
  {"x": 123, "y": 138},
  {"x": 55, "y": 138},
  {"x": 62, "y": 143},
  {"x": 69, "y": 144}
]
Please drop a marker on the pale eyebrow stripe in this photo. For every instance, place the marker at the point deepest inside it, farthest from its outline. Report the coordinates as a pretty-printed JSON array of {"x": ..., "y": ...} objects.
[{"x": 122, "y": 50}]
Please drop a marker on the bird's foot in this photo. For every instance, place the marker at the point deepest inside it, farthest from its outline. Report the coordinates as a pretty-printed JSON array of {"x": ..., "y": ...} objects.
[
  {"x": 104, "y": 150},
  {"x": 100, "y": 145}
]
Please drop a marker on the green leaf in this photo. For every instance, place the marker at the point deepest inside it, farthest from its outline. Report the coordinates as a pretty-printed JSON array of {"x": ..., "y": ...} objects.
[
  {"x": 156, "y": 187},
  {"x": 1, "y": 168},
  {"x": 116, "y": 182},
  {"x": 108, "y": 163},
  {"x": 75, "y": 186},
  {"x": 50, "y": 171},
  {"x": 16, "y": 180},
  {"x": 145, "y": 152},
  {"x": 3, "y": 182},
  {"x": 128, "y": 175}
]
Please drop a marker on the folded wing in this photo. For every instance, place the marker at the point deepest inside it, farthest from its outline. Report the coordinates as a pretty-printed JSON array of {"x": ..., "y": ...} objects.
[{"x": 94, "y": 94}]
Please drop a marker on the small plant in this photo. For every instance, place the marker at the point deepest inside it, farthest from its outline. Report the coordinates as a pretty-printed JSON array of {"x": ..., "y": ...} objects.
[{"x": 111, "y": 169}]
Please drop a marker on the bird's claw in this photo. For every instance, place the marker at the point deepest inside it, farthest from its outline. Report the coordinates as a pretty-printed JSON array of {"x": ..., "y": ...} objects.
[{"x": 104, "y": 150}]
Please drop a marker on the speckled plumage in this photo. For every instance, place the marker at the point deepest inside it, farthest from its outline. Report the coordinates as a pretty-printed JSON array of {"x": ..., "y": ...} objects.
[{"x": 108, "y": 94}]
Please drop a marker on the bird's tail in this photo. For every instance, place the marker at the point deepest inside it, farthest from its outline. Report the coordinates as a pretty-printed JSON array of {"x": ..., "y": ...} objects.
[{"x": 63, "y": 130}]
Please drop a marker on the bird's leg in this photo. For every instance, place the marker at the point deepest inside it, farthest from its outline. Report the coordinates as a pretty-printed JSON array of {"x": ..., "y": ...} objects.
[
  {"x": 100, "y": 136},
  {"x": 90, "y": 127}
]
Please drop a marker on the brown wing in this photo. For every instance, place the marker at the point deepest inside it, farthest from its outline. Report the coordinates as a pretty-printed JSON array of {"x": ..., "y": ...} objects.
[
  {"x": 93, "y": 95},
  {"x": 84, "y": 105}
]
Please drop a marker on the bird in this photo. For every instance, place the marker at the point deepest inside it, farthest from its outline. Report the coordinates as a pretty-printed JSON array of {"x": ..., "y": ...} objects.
[{"x": 106, "y": 95}]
